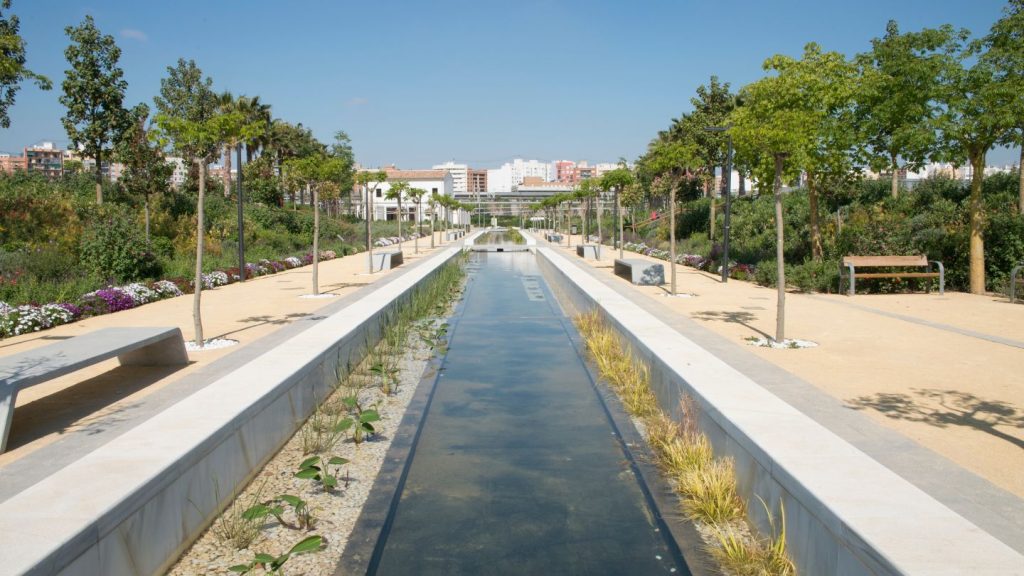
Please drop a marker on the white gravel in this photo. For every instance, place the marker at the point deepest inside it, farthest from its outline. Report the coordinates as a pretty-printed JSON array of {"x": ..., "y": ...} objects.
[
  {"x": 335, "y": 512},
  {"x": 787, "y": 343},
  {"x": 211, "y": 344}
]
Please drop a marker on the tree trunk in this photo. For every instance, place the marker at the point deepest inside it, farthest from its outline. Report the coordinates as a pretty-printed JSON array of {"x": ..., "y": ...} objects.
[
  {"x": 147, "y": 218},
  {"x": 1020, "y": 177},
  {"x": 369, "y": 227},
  {"x": 711, "y": 216},
  {"x": 780, "y": 264},
  {"x": 618, "y": 210},
  {"x": 227, "y": 171},
  {"x": 600, "y": 233},
  {"x": 977, "y": 243},
  {"x": 672, "y": 234},
  {"x": 316, "y": 241},
  {"x": 895, "y": 176},
  {"x": 399, "y": 221},
  {"x": 431, "y": 226},
  {"x": 197, "y": 318},
  {"x": 743, "y": 184},
  {"x": 812, "y": 200},
  {"x": 419, "y": 231},
  {"x": 99, "y": 178}
]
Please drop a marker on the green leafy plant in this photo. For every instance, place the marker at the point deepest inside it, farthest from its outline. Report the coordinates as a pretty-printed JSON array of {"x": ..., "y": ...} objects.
[
  {"x": 360, "y": 421},
  {"x": 274, "y": 564},
  {"x": 387, "y": 377},
  {"x": 304, "y": 518},
  {"x": 317, "y": 469}
]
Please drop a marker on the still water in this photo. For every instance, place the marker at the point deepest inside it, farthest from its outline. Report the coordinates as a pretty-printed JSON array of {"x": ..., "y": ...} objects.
[{"x": 518, "y": 469}]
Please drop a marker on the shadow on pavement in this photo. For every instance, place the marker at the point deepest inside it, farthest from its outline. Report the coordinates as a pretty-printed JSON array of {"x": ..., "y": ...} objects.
[{"x": 945, "y": 408}]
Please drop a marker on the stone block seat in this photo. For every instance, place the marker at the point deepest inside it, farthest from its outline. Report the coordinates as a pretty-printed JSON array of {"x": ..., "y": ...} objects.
[
  {"x": 640, "y": 271},
  {"x": 146, "y": 346}
]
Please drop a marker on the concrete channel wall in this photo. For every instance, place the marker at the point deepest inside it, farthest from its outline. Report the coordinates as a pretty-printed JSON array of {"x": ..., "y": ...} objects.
[
  {"x": 845, "y": 513},
  {"x": 133, "y": 505}
]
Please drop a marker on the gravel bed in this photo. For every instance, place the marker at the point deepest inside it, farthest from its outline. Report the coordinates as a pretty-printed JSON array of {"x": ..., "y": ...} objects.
[{"x": 336, "y": 512}]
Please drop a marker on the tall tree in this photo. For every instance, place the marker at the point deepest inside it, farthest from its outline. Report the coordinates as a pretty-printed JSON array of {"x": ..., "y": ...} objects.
[
  {"x": 395, "y": 192},
  {"x": 188, "y": 119},
  {"x": 342, "y": 148},
  {"x": 12, "y": 64},
  {"x": 979, "y": 108},
  {"x": 416, "y": 196},
  {"x": 227, "y": 103},
  {"x": 617, "y": 181},
  {"x": 320, "y": 175},
  {"x": 711, "y": 107},
  {"x": 94, "y": 88},
  {"x": 775, "y": 125},
  {"x": 146, "y": 172},
  {"x": 1005, "y": 51},
  {"x": 369, "y": 181},
  {"x": 897, "y": 103},
  {"x": 822, "y": 84},
  {"x": 665, "y": 167}
]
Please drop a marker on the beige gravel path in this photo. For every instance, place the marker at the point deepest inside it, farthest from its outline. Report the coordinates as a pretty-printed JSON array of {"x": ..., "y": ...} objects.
[
  {"x": 88, "y": 400},
  {"x": 917, "y": 363}
]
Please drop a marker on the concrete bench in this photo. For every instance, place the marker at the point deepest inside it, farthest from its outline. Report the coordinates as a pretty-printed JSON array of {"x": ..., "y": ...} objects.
[
  {"x": 132, "y": 346},
  {"x": 387, "y": 260},
  {"x": 592, "y": 251},
  {"x": 639, "y": 271},
  {"x": 556, "y": 238},
  {"x": 455, "y": 234},
  {"x": 849, "y": 265}
]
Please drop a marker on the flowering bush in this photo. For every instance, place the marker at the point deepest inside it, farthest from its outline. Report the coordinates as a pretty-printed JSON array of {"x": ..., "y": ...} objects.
[
  {"x": 213, "y": 279},
  {"x": 292, "y": 262},
  {"x": 166, "y": 289},
  {"x": 105, "y": 301},
  {"x": 139, "y": 293},
  {"x": 328, "y": 255},
  {"x": 27, "y": 318}
]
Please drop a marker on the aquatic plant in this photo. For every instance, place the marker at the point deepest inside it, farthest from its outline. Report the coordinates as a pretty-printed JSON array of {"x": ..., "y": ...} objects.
[
  {"x": 318, "y": 469},
  {"x": 271, "y": 563}
]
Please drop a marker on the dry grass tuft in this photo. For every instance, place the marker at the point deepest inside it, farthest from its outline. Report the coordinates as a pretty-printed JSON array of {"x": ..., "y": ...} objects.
[{"x": 710, "y": 493}]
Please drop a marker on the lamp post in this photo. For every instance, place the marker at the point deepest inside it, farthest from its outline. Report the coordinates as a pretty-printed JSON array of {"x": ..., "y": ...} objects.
[
  {"x": 241, "y": 223},
  {"x": 726, "y": 188}
]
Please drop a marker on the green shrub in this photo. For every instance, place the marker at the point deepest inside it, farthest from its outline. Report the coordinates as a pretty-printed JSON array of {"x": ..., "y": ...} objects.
[
  {"x": 813, "y": 276},
  {"x": 113, "y": 247}
]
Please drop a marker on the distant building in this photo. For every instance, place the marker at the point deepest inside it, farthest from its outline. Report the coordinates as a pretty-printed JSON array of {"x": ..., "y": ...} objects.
[
  {"x": 460, "y": 176},
  {"x": 565, "y": 171},
  {"x": 10, "y": 164},
  {"x": 477, "y": 181},
  {"x": 46, "y": 159},
  {"x": 512, "y": 174},
  {"x": 432, "y": 181},
  {"x": 180, "y": 171}
]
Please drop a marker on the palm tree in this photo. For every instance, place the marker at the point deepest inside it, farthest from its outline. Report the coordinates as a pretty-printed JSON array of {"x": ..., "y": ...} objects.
[
  {"x": 226, "y": 103},
  {"x": 416, "y": 195},
  {"x": 395, "y": 193},
  {"x": 256, "y": 112}
]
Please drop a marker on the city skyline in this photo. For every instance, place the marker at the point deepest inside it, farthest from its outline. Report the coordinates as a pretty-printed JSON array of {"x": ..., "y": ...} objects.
[{"x": 480, "y": 84}]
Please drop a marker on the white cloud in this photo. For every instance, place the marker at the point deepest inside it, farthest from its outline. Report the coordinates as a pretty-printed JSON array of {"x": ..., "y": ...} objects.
[
  {"x": 134, "y": 34},
  {"x": 356, "y": 101}
]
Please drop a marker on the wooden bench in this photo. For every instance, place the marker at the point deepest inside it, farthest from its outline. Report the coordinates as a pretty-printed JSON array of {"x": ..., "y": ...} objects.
[
  {"x": 132, "y": 346},
  {"x": 387, "y": 260},
  {"x": 592, "y": 251},
  {"x": 1014, "y": 280},
  {"x": 640, "y": 271},
  {"x": 850, "y": 264}
]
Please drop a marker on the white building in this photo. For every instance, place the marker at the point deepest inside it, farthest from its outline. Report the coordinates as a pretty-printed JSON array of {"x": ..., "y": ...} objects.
[
  {"x": 513, "y": 173},
  {"x": 180, "y": 170},
  {"x": 460, "y": 175},
  {"x": 431, "y": 181}
]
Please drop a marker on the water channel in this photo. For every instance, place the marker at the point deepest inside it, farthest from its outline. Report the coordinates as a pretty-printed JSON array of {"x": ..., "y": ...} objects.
[{"x": 518, "y": 468}]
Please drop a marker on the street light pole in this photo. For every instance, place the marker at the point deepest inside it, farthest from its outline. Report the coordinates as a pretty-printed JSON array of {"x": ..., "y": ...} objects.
[
  {"x": 241, "y": 222},
  {"x": 726, "y": 189}
]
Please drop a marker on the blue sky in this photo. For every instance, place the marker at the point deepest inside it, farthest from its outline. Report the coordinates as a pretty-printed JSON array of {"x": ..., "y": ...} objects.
[{"x": 418, "y": 83}]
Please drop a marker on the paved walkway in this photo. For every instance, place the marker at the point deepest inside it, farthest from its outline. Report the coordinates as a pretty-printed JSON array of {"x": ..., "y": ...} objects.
[
  {"x": 59, "y": 421},
  {"x": 928, "y": 385}
]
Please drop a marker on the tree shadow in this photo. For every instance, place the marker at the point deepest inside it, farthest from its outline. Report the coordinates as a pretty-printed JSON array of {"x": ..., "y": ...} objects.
[
  {"x": 945, "y": 408},
  {"x": 742, "y": 318},
  {"x": 255, "y": 321},
  {"x": 90, "y": 407}
]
